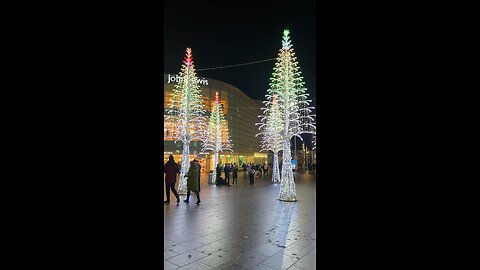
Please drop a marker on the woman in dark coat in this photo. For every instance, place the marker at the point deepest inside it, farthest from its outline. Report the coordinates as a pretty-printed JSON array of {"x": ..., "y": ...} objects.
[
  {"x": 192, "y": 181},
  {"x": 171, "y": 170}
]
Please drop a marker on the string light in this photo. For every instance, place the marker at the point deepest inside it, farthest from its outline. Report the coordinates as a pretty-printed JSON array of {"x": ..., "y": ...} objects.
[
  {"x": 314, "y": 142},
  {"x": 249, "y": 63},
  {"x": 217, "y": 137},
  {"x": 270, "y": 127},
  {"x": 186, "y": 114},
  {"x": 287, "y": 89}
]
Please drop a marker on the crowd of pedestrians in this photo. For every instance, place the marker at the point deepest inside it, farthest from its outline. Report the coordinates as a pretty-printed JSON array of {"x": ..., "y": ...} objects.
[
  {"x": 229, "y": 170},
  {"x": 310, "y": 167}
]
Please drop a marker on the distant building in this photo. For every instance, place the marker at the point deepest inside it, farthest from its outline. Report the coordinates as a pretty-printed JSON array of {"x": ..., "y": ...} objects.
[{"x": 241, "y": 113}]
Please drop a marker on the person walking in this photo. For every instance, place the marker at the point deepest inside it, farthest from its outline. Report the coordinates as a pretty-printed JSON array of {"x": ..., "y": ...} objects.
[
  {"x": 251, "y": 174},
  {"x": 265, "y": 168},
  {"x": 171, "y": 170},
  {"x": 227, "y": 174},
  {"x": 192, "y": 181},
  {"x": 199, "y": 172},
  {"x": 234, "y": 174}
]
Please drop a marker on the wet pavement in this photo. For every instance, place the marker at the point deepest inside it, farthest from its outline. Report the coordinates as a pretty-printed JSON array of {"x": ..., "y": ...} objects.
[{"x": 242, "y": 227}]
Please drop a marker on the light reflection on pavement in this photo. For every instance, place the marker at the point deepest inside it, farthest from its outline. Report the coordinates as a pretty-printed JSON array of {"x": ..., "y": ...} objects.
[{"x": 242, "y": 227}]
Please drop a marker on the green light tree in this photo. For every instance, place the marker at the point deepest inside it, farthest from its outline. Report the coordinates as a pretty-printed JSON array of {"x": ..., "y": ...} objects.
[{"x": 287, "y": 85}]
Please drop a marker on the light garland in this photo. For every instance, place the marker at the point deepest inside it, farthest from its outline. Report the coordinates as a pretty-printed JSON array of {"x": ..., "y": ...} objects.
[
  {"x": 186, "y": 115},
  {"x": 314, "y": 141},
  {"x": 271, "y": 127},
  {"x": 217, "y": 136},
  {"x": 287, "y": 89}
]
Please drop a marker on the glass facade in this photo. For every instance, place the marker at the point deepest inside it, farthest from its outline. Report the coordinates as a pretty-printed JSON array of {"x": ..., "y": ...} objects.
[{"x": 241, "y": 113}]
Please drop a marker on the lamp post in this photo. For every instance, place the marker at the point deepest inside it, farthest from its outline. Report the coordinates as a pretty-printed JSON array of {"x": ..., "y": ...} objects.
[
  {"x": 304, "y": 156},
  {"x": 294, "y": 152}
]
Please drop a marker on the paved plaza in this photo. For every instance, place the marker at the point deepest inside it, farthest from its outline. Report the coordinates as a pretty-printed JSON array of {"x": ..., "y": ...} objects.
[{"x": 242, "y": 227}]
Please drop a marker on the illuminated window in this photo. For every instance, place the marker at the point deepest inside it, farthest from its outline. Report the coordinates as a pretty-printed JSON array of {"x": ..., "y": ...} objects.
[{"x": 259, "y": 155}]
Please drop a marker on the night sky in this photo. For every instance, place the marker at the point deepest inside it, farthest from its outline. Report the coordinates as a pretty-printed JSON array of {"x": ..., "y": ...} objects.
[{"x": 224, "y": 33}]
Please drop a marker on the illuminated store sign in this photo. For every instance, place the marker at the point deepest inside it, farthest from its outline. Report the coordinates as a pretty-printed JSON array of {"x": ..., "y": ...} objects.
[{"x": 178, "y": 79}]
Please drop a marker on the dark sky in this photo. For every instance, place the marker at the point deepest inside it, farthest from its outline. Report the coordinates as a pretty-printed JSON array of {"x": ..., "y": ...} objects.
[{"x": 233, "y": 32}]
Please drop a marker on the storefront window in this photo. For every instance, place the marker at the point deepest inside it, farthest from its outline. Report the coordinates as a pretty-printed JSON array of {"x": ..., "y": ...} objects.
[{"x": 240, "y": 121}]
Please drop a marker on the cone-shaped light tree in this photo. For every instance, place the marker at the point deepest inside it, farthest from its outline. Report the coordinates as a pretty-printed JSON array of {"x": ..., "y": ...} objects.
[
  {"x": 186, "y": 115},
  {"x": 217, "y": 135},
  {"x": 287, "y": 85},
  {"x": 270, "y": 132}
]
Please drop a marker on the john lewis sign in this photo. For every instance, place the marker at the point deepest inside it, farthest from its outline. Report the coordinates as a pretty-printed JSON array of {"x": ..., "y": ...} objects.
[{"x": 177, "y": 79}]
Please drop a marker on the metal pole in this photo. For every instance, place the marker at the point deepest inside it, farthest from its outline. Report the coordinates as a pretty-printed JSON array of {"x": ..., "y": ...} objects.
[
  {"x": 306, "y": 157},
  {"x": 295, "y": 153}
]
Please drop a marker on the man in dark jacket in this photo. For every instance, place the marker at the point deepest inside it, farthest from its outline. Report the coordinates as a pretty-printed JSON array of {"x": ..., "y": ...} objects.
[
  {"x": 227, "y": 174},
  {"x": 218, "y": 172},
  {"x": 251, "y": 174},
  {"x": 171, "y": 170},
  {"x": 234, "y": 174},
  {"x": 199, "y": 172}
]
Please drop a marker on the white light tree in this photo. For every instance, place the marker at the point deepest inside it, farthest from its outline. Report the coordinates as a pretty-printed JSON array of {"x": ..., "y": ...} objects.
[
  {"x": 217, "y": 135},
  {"x": 288, "y": 87},
  {"x": 270, "y": 132},
  {"x": 186, "y": 115}
]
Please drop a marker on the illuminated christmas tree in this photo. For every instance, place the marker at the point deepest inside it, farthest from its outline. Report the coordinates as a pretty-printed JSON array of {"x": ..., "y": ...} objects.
[
  {"x": 217, "y": 136},
  {"x": 288, "y": 87},
  {"x": 270, "y": 131},
  {"x": 186, "y": 115}
]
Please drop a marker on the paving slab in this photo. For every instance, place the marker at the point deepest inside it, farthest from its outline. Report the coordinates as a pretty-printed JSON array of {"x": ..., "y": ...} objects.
[{"x": 242, "y": 227}]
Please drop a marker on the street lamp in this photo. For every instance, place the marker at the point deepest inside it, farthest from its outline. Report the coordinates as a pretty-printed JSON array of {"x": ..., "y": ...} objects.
[{"x": 305, "y": 156}]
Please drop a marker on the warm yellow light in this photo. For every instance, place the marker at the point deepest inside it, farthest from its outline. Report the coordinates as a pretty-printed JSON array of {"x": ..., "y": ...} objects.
[{"x": 259, "y": 155}]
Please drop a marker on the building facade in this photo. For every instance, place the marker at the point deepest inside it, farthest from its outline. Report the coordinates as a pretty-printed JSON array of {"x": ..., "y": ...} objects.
[{"x": 241, "y": 113}]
